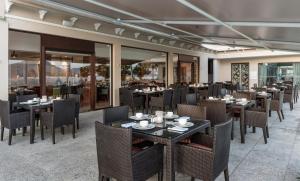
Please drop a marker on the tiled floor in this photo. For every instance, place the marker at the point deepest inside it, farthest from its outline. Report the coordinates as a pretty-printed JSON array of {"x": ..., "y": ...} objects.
[{"x": 76, "y": 159}]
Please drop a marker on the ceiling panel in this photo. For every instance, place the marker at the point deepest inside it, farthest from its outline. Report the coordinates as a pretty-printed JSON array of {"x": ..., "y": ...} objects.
[{"x": 251, "y": 10}]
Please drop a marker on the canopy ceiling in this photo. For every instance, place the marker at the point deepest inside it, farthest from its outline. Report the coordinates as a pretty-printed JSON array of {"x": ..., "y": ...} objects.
[{"x": 269, "y": 24}]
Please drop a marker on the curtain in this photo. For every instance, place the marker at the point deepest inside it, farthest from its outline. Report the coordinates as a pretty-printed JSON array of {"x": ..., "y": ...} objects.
[
  {"x": 296, "y": 77},
  {"x": 262, "y": 74}
]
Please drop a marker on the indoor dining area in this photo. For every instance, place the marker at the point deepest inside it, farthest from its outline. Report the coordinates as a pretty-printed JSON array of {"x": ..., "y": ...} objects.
[{"x": 149, "y": 90}]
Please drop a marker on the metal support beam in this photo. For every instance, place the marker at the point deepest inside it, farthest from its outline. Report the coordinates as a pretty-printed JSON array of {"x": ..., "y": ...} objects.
[
  {"x": 231, "y": 23},
  {"x": 200, "y": 11}
]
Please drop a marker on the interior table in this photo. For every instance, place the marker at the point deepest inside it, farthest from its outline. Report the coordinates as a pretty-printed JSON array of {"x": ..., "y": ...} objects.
[
  {"x": 32, "y": 108},
  {"x": 169, "y": 139}
]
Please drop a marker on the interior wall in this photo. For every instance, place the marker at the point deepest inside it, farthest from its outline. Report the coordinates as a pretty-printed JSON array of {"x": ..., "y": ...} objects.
[{"x": 225, "y": 66}]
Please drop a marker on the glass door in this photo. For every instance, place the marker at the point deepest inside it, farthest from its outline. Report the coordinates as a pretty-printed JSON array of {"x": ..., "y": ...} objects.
[{"x": 69, "y": 73}]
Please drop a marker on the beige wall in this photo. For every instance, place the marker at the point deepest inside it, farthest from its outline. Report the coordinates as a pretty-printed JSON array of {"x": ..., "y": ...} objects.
[
  {"x": 224, "y": 65},
  {"x": 4, "y": 60}
]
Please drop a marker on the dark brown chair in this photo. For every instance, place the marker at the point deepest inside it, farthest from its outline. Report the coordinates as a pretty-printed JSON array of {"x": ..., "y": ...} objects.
[
  {"x": 191, "y": 99},
  {"x": 258, "y": 117},
  {"x": 12, "y": 119},
  {"x": 127, "y": 98},
  {"x": 277, "y": 104},
  {"x": 289, "y": 96},
  {"x": 63, "y": 114},
  {"x": 206, "y": 156},
  {"x": 183, "y": 92},
  {"x": 162, "y": 102},
  {"x": 119, "y": 160},
  {"x": 76, "y": 98},
  {"x": 216, "y": 111},
  {"x": 195, "y": 112},
  {"x": 116, "y": 114},
  {"x": 176, "y": 97}
]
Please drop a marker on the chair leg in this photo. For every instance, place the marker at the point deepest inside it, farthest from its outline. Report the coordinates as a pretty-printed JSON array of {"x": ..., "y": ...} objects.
[
  {"x": 232, "y": 130},
  {"x": 73, "y": 130},
  {"x": 267, "y": 130},
  {"x": 77, "y": 121},
  {"x": 254, "y": 129},
  {"x": 10, "y": 136},
  {"x": 42, "y": 131},
  {"x": 280, "y": 119},
  {"x": 62, "y": 129},
  {"x": 53, "y": 135},
  {"x": 282, "y": 113},
  {"x": 193, "y": 179},
  {"x": 160, "y": 175},
  {"x": 265, "y": 134},
  {"x": 226, "y": 174},
  {"x": 23, "y": 131},
  {"x": 2, "y": 132},
  {"x": 291, "y": 106},
  {"x": 14, "y": 132}
]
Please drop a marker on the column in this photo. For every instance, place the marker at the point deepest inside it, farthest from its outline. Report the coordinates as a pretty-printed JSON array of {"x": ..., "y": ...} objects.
[
  {"x": 116, "y": 73},
  {"x": 170, "y": 68},
  {"x": 4, "y": 78}
]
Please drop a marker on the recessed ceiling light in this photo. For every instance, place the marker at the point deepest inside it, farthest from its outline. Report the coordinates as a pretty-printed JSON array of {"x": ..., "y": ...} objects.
[{"x": 118, "y": 19}]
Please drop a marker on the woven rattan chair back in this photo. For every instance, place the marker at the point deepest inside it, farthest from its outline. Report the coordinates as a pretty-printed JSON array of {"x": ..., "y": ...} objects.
[
  {"x": 115, "y": 114},
  {"x": 4, "y": 113},
  {"x": 240, "y": 95},
  {"x": 167, "y": 96},
  {"x": 114, "y": 151},
  {"x": 191, "y": 99},
  {"x": 221, "y": 148},
  {"x": 215, "y": 111},
  {"x": 126, "y": 97},
  {"x": 24, "y": 98},
  {"x": 210, "y": 90},
  {"x": 195, "y": 112},
  {"x": 183, "y": 93},
  {"x": 63, "y": 112},
  {"x": 176, "y": 97}
]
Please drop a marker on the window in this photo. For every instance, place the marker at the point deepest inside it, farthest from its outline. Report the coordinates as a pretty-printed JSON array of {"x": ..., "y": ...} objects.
[{"x": 143, "y": 67}]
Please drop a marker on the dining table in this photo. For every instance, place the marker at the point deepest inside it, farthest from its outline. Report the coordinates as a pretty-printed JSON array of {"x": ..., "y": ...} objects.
[
  {"x": 33, "y": 108},
  {"x": 169, "y": 138}
]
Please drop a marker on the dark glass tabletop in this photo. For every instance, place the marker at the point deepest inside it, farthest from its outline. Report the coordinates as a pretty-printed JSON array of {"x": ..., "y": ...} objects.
[{"x": 164, "y": 132}]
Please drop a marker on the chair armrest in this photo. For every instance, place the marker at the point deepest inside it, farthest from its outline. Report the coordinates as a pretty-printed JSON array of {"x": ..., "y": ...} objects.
[{"x": 203, "y": 139}]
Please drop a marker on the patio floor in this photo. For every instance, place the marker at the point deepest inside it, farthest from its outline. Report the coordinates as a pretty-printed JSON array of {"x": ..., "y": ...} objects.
[{"x": 76, "y": 159}]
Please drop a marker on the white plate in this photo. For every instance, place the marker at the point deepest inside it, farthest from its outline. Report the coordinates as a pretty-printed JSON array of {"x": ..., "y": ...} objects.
[
  {"x": 174, "y": 116},
  {"x": 139, "y": 119},
  {"x": 138, "y": 126},
  {"x": 187, "y": 124}
]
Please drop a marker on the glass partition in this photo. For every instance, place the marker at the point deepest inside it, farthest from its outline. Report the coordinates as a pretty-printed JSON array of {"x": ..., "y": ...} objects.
[
  {"x": 24, "y": 72},
  {"x": 270, "y": 73},
  {"x": 143, "y": 67}
]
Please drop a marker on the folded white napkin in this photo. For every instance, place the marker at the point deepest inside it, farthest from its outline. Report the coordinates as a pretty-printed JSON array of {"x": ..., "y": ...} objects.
[
  {"x": 127, "y": 125},
  {"x": 177, "y": 128},
  {"x": 241, "y": 103}
]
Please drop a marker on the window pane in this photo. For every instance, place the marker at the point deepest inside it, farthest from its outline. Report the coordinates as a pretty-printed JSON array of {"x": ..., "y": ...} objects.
[{"x": 143, "y": 67}]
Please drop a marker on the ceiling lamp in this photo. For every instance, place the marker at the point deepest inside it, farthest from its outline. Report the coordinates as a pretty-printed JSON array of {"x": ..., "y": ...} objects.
[
  {"x": 161, "y": 40},
  {"x": 42, "y": 14},
  {"x": 172, "y": 42},
  {"x": 181, "y": 45},
  {"x": 119, "y": 31},
  {"x": 150, "y": 38},
  {"x": 136, "y": 35},
  {"x": 8, "y": 5},
  {"x": 70, "y": 22},
  {"x": 97, "y": 26}
]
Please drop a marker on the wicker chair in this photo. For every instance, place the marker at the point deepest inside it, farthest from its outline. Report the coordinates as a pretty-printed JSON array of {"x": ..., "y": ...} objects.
[
  {"x": 258, "y": 117},
  {"x": 119, "y": 160},
  {"x": 195, "y": 112},
  {"x": 127, "y": 98},
  {"x": 207, "y": 156},
  {"x": 162, "y": 102},
  {"x": 24, "y": 98},
  {"x": 183, "y": 92},
  {"x": 296, "y": 93},
  {"x": 176, "y": 97},
  {"x": 76, "y": 98},
  {"x": 216, "y": 111},
  {"x": 12, "y": 119},
  {"x": 210, "y": 90},
  {"x": 63, "y": 114},
  {"x": 289, "y": 96},
  {"x": 277, "y": 104},
  {"x": 191, "y": 99}
]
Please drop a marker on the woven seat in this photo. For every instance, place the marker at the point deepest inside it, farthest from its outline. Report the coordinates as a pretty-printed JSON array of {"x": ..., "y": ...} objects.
[
  {"x": 117, "y": 159},
  {"x": 207, "y": 156}
]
